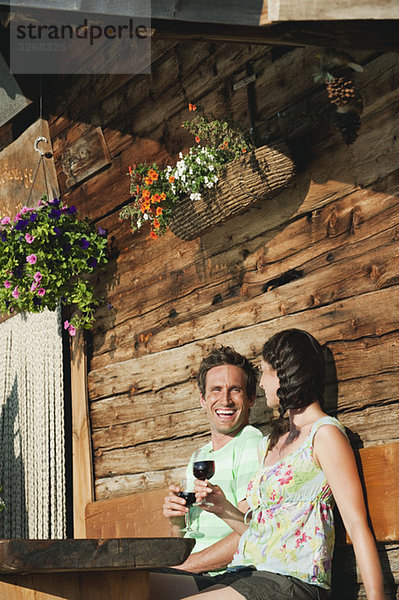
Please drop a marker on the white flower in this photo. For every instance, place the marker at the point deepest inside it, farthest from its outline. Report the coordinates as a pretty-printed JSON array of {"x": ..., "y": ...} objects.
[
  {"x": 195, "y": 196},
  {"x": 180, "y": 154},
  {"x": 211, "y": 168},
  {"x": 138, "y": 223},
  {"x": 145, "y": 217}
]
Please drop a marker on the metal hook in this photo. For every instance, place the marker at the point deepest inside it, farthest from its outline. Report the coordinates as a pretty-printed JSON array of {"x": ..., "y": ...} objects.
[{"x": 37, "y": 142}]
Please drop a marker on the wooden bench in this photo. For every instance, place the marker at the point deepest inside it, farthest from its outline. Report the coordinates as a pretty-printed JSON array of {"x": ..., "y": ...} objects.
[{"x": 141, "y": 515}]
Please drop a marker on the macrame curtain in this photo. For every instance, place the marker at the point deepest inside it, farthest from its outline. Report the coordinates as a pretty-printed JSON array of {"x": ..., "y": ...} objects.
[{"x": 32, "y": 455}]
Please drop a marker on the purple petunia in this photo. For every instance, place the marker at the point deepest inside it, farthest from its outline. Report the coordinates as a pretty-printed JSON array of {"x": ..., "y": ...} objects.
[
  {"x": 72, "y": 210},
  {"x": 92, "y": 262},
  {"x": 102, "y": 231},
  {"x": 33, "y": 216},
  {"x": 21, "y": 224},
  {"x": 55, "y": 213},
  {"x": 57, "y": 231},
  {"x": 84, "y": 243},
  {"x": 37, "y": 301},
  {"x": 3, "y": 236},
  {"x": 55, "y": 201}
]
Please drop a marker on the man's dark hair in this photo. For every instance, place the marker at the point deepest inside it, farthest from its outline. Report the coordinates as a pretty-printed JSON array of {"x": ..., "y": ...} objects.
[{"x": 225, "y": 355}]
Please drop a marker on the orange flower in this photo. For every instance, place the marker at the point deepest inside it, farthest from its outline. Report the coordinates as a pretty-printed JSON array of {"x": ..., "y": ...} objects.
[
  {"x": 244, "y": 150},
  {"x": 159, "y": 211},
  {"x": 156, "y": 198},
  {"x": 163, "y": 196},
  {"x": 138, "y": 189},
  {"x": 197, "y": 139},
  {"x": 154, "y": 235},
  {"x": 171, "y": 179},
  {"x": 147, "y": 180},
  {"x": 191, "y": 106},
  {"x": 130, "y": 170},
  {"x": 146, "y": 194},
  {"x": 153, "y": 174},
  {"x": 156, "y": 223}
]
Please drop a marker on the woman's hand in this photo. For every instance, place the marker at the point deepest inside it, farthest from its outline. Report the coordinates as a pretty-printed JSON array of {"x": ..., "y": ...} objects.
[
  {"x": 233, "y": 516},
  {"x": 211, "y": 493}
]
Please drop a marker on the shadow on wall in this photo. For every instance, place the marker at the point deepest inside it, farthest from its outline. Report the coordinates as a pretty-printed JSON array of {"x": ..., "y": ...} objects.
[
  {"x": 345, "y": 585},
  {"x": 14, "y": 518}
]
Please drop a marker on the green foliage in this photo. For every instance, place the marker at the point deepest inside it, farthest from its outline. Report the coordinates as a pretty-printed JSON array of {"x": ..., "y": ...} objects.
[{"x": 46, "y": 254}]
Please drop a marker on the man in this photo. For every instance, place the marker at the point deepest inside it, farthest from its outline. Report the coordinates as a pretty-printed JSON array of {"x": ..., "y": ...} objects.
[{"x": 227, "y": 383}]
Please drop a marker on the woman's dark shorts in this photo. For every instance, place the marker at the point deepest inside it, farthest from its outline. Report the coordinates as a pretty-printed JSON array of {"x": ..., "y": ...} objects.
[{"x": 264, "y": 585}]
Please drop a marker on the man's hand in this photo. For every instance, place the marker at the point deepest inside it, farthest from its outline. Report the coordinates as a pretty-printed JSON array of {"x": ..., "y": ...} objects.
[{"x": 174, "y": 509}]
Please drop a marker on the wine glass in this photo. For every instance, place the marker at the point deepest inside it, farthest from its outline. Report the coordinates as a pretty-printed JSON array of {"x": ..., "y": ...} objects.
[
  {"x": 189, "y": 497},
  {"x": 203, "y": 469}
]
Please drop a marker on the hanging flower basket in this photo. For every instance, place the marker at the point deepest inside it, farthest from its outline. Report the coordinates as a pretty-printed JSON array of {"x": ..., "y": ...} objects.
[
  {"x": 46, "y": 254},
  {"x": 219, "y": 177},
  {"x": 255, "y": 176}
]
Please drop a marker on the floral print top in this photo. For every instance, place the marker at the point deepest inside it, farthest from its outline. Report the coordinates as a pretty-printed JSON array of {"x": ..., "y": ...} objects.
[{"x": 292, "y": 527}]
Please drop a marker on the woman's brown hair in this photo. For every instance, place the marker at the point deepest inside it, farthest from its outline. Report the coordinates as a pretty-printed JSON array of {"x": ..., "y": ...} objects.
[{"x": 298, "y": 359}]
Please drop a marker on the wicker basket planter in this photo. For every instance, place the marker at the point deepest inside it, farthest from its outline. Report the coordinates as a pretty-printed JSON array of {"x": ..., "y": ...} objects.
[{"x": 253, "y": 177}]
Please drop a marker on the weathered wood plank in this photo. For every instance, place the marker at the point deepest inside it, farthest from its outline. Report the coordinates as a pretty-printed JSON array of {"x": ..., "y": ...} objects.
[
  {"x": 346, "y": 233},
  {"x": 121, "y": 421},
  {"x": 374, "y": 424},
  {"x": 112, "y": 487},
  {"x": 39, "y": 556},
  {"x": 351, "y": 318},
  {"x": 142, "y": 121},
  {"x": 287, "y": 10}
]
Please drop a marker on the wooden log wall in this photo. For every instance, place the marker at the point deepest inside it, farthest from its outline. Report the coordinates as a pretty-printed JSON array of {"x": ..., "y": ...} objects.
[{"x": 323, "y": 255}]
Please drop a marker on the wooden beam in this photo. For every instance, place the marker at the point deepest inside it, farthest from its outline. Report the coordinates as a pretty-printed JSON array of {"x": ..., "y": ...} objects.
[
  {"x": 82, "y": 466},
  {"x": 308, "y": 10},
  {"x": 381, "y": 36}
]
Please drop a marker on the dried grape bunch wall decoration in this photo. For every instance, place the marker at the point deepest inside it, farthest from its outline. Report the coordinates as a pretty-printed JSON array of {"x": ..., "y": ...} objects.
[{"x": 335, "y": 71}]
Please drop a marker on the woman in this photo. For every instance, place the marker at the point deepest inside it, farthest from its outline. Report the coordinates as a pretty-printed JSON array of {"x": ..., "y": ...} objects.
[{"x": 286, "y": 551}]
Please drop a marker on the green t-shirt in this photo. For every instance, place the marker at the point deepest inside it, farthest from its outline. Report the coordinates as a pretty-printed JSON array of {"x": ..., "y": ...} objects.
[{"x": 235, "y": 464}]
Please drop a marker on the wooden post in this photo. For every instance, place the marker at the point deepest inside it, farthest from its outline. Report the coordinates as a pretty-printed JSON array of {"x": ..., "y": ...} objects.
[{"x": 82, "y": 464}]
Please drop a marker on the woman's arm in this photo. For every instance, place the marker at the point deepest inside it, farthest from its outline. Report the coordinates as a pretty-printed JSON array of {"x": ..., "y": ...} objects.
[
  {"x": 232, "y": 516},
  {"x": 335, "y": 456}
]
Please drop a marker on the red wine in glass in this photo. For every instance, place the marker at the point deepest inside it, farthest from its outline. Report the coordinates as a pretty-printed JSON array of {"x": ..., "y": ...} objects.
[
  {"x": 189, "y": 497},
  {"x": 203, "y": 469}
]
